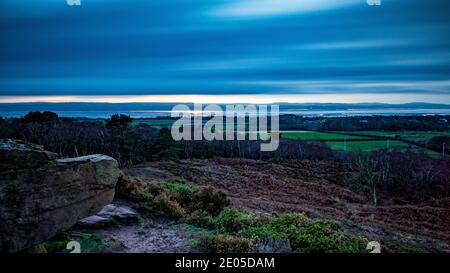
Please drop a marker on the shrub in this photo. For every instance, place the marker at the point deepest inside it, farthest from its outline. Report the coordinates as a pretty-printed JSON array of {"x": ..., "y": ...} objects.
[
  {"x": 281, "y": 227},
  {"x": 226, "y": 244},
  {"x": 272, "y": 245},
  {"x": 200, "y": 218},
  {"x": 209, "y": 200},
  {"x": 179, "y": 192},
  {"x": 233, "y": 220},
  {"x": 289, "y": 232},
  {"x": 326, "y": 237},
  {"x": 172, "y": 199},
  {"x": 169, "y": 207}
]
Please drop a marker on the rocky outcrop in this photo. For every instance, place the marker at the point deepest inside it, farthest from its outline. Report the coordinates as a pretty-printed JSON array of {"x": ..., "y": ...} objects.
[
  {"x": 16, "y": 154},
  {"x": 110, "y": 215},
  {"x": 41, "y": 196}
]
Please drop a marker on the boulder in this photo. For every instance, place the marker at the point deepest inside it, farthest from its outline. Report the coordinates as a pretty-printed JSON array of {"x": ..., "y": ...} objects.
[
  {"x": 110, "y": 215},
  {"x": 94, "y": 222},
  {"x": 119, "y": 213},
  {"x": 41, "y": 198},
  {"x": 16, "y": 154}
]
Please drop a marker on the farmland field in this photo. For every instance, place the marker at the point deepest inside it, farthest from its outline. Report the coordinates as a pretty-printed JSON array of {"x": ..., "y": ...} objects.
[
  {"x": 324, "y": 136},
  {"x": 366, "y": 146},
  {"x": 407, "y": 135},
  {"x": 366, "y": 141}
]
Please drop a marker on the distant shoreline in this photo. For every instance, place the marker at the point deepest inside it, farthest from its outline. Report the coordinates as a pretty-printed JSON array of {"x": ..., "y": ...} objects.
[
  {"x": 153, "y": 110},
  {"x": 161, "y": 114}
]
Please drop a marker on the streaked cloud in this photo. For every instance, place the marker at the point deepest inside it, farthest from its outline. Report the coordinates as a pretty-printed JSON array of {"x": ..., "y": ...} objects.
[
  {"x": 262, "y": 8},
  {"x": 355, "y": 44},
  {"x": 348, "y": 87},
  {"x": 320, "y": 49}
]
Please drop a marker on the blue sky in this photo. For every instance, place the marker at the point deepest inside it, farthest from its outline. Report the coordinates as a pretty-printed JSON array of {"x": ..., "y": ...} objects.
[{"x": 329, "y": 49}]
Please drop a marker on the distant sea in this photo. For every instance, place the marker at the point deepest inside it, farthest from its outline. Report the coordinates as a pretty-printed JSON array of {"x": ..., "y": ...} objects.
[{"x": 152, "y": 110}]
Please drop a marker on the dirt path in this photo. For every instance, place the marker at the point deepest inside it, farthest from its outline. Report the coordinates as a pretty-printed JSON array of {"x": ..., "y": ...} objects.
[
  {"x": 126, "y": 230},
  {"x": 160, "y": 238}
]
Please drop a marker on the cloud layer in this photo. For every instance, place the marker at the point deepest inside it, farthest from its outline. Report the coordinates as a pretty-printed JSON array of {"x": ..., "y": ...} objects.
[{"x": 290, "y": 47}]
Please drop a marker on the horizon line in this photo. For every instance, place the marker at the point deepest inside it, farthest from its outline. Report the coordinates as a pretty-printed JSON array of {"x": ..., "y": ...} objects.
[{"x": 234, "y": 98}]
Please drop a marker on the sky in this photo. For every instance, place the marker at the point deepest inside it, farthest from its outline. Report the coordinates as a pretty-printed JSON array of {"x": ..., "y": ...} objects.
[{"x": 225, "y": 50}]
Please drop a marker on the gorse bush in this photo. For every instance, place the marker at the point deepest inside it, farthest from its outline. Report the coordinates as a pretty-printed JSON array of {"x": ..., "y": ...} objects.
[
  {"x": 226, "y": 244},
  {"x": 297, "y": 232},
  {"x": 233, "y": 221},
  {"x": 329, "y": 237},
  {"x": 181, "y": 192},
  {"x": 280, "y": 227},
  {"x": 160, "y": 198}
]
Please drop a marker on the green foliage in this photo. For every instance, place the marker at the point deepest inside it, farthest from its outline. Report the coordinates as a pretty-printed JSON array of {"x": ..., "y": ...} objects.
[
  {"x": 301, "y": 233},
  {"x": 233, "y": 220},
  {"x": 196, "y": 230},
  {"x": 88, "y": 243},
  {"x": 118, "y": 121},
  {"x": 281, "y": 227},
  {"x": 56, "y": 246},
  {"x": 226, "y": 244},
  {"x": 181, "y": 191},
  {"x": 39, "y": 117},
  {"x": 209, "y": 200},
  {"x": 173, "y": 199},
  {"x": 127, "y": 145},
  {"x": 165, "y": 147},
  {"x": 326, "y": 237},
  {"x": 140, "y": 221},
  {"x": 200, "y": 218}
]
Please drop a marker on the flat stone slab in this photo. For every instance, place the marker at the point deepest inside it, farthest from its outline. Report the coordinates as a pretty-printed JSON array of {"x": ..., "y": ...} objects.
[{"x": 110, "y": 215}]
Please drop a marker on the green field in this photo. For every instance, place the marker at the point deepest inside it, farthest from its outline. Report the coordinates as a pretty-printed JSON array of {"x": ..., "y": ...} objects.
[
  {"x": 323, "y": 136},
  {"x": 366, "y": 141},
  {"x": 367, "y": 146},
  {"x": 342, "y": 141},
  {"x": 406, "y": 135}
]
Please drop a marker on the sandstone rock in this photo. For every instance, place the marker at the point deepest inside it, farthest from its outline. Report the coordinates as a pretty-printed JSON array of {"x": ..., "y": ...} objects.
[
  {"x": 94, "y": 222},
  {"x": 122, "y": 214},
  {"x": 16, "y": 154},
  {"x": 37, "y": 201},
  {"x": 108, "y": 216}
]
